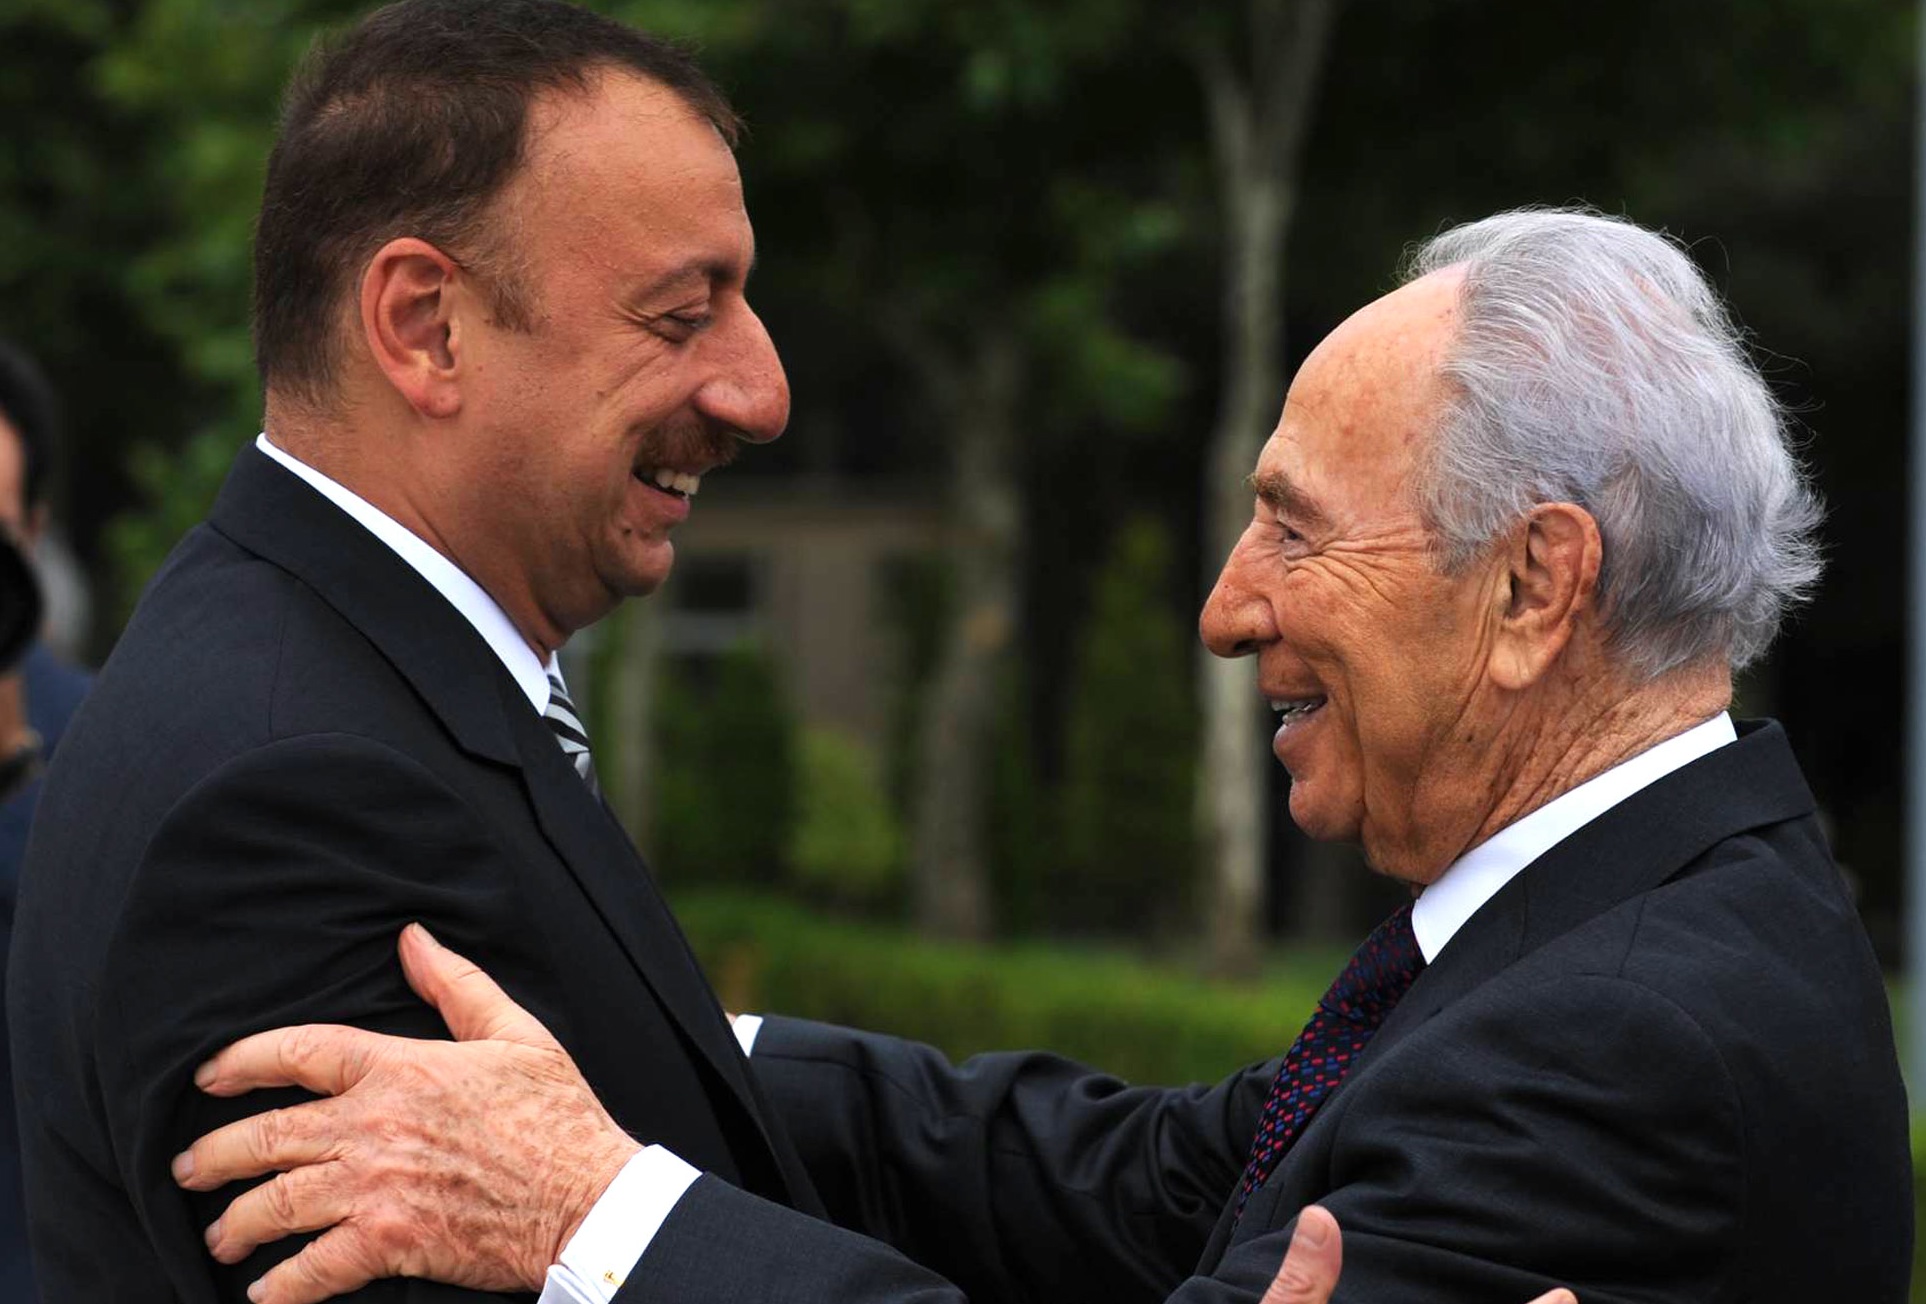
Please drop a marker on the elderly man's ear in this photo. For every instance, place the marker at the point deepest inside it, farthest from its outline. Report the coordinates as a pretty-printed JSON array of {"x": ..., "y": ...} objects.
[
  {"x": 411, "y": 294},
  {"x": 1551, "y": 565}
]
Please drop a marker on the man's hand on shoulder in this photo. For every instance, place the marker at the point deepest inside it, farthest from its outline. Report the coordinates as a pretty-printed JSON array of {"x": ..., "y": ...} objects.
[{"x": 471, "y": 1162}]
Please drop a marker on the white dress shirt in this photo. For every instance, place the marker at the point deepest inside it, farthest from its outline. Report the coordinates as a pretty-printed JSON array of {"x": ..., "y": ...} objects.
[
  {"x": 602, "y": 1253},
  {"x": 448, "y": 579},
  {"x": 1475, "y": 877},
  {"x": 632, "y": 1211}
]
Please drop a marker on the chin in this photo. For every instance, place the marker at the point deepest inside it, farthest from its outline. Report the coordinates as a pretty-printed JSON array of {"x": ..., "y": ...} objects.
[
  {"x": 644, "y": 574},
  {"x": 1316, "y": 819}
]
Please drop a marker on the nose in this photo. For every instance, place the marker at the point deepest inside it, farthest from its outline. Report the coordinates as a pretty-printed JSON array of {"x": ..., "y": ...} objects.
[
  {"x": 748, "y": 392},
  {"x": 1237, "y": 620}
]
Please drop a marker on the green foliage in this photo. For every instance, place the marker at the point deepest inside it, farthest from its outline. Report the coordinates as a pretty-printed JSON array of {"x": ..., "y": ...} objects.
[
  {"x": 1128, "y": 856},
  {"x": 1918, "y": 1293},
  {"x": 181, "y": 486},
  {"x": 847, "y": 845},
  {"x": 725, "y": 773},
  {"x": 1115, "y": 1013},
  {"x": 205, "y": 76}
]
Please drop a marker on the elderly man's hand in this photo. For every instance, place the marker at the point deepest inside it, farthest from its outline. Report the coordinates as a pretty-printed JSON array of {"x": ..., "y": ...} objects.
[
  {"x": 424, "y": 1199},
  {"x": 1311, "y": 1266}
]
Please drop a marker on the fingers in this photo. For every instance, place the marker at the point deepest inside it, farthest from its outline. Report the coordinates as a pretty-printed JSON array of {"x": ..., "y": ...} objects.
[
  {"x": 274, "y": 1141},
  {"x": 336, "y": 1263},
  {"x": 322, "y": 1057},
  {"x": 472, "y": 1006},
  {"x": 304, "y": 1200},
  {"x": 1559, "y": 1296},
  {"x": 1310, "y": 1270}
]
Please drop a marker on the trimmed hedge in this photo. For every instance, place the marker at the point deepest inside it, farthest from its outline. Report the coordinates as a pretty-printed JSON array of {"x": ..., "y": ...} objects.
[
  {"x": 1918, "y": 1294},
  {"x": 1140, "y": 1021}
]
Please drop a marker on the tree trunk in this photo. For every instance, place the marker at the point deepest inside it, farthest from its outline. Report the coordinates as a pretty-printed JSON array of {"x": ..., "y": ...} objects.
[
  {"x": 1257, "y": 122},
  {"x": 950, "y": 873}
]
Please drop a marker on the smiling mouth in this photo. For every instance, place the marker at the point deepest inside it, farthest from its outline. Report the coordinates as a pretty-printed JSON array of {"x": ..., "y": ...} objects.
[
  {"x": 1295, "y": 710},
  {"x": 680, "y": 485}
]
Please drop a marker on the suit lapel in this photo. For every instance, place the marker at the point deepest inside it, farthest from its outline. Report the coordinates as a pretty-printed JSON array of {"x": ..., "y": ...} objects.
[
  {"x": 604, "y": 862},
  {"x": 268, "y": 511},
  {"x": 1634, "y": 847}
]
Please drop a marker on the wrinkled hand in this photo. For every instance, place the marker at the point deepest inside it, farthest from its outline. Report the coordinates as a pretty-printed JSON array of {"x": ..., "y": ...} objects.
[
  {"x": 472, "y": 1162},
  {"x": 1311, "y": 1266}
]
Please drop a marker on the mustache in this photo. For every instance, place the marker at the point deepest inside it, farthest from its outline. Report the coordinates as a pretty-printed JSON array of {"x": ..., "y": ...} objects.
[{"x": 708, "y": 447}]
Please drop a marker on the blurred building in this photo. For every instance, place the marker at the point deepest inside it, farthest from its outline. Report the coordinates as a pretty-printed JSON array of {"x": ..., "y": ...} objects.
[{"x": 805, "y": 565}]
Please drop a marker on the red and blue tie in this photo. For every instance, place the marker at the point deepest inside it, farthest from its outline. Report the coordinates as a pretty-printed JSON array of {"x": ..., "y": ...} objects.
[{"x": 1347, "y": 1017}]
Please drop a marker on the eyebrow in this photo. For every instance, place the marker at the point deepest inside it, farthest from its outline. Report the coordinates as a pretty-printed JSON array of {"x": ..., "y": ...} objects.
[
  {"x": 695, "y": 269},
  {"x": 1277, "y": 491}
]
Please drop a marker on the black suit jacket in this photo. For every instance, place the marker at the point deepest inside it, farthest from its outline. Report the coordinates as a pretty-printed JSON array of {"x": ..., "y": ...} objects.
[
  {"x": 297, "y": 747},
  {"x": 1657, "y": 1066}
]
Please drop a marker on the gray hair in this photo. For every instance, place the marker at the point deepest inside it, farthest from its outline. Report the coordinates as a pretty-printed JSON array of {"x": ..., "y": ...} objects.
[{"x": 1595, "y": 365}]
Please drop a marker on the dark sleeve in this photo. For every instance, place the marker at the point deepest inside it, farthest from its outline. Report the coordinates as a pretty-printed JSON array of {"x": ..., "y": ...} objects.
[
  {"x": 722, "y": 1246},
  {"x": 273, "y": 894},
  {"x": 1592, "y": 1140},
  {"x": 1016, "y": 1176}
]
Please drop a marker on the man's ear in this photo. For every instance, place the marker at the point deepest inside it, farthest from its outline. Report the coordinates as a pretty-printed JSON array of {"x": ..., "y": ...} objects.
[
  {"x": 408, "y": 318},
  {"x": 1552, "y": 561}
]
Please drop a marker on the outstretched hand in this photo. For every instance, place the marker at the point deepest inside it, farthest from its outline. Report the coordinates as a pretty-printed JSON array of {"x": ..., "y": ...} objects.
[
  {"x": 1316, "y": 1258},
  {"x": 403, "y": 1164}
]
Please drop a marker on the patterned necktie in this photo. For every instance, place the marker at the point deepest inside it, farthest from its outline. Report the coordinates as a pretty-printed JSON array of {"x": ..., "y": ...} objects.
[
  {"x": 1347, "y": 1017},
  {"x": 562, "y": 718}
]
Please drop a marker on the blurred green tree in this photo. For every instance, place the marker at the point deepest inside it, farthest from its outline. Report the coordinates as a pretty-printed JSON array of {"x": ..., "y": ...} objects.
[
  {"x": 916, "y": 150},
  {"x": 1260, "y": 64},
  {"x": 725, "y": 772},
  {"x": 204, "y": 77},
  {"x": 846, "y": 847},
  {"x": 1127, "y": 861}
]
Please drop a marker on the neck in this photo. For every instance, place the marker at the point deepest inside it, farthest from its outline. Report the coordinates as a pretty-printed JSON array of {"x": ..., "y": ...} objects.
[
  {"x": 391, "y": 485},
  {"x": 1596, "y": 727},
  {"x": 1543, "y": 745}
]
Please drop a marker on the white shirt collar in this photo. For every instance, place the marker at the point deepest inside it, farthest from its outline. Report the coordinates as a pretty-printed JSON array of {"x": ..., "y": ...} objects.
[
  {"x": 449, "y": 580},
  {"x": 1475, "y": 877}
]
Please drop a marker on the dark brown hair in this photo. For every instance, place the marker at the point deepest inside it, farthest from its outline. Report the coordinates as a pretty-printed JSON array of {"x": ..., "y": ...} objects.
[{"x": 409, "y": 124}]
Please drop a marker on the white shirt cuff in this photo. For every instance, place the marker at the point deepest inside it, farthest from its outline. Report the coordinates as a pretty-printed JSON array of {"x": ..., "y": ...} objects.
[
  {"x": 610, "y": 1242},
  {"x": 747, "y": 1026}
]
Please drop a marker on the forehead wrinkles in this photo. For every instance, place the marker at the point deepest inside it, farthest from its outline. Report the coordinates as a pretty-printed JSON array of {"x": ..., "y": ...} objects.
[{"x": 1369, "y": 397}]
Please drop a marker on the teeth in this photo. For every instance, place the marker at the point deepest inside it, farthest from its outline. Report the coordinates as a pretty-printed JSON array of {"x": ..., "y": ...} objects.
[
  {"x": 679, "y": 482},
  {"x": 1293, "y": 707}
]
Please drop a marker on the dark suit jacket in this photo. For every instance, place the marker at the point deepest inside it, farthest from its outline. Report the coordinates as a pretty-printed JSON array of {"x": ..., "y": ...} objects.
[
  {"x": 1657, "y": 1066},
  {"x": 297, "y": 747},
  {"x": 53, "y": 690}
]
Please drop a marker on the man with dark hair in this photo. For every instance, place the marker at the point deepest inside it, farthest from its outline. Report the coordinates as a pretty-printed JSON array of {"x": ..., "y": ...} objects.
[
  {"x": 501, "y": 321},
  {"x": 37, "y": 699}
]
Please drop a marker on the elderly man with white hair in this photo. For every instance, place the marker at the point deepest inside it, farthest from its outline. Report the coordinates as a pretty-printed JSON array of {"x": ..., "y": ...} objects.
[{"x": 1519, "y": 524}]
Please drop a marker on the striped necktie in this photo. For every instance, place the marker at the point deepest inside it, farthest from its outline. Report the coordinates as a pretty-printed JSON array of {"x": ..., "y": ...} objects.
[
  {"x": 567, "y": 725},
  {"x": 1346, "y": 1019}
]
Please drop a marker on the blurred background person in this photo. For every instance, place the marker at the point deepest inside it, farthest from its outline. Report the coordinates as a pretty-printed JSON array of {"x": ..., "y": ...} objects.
[{"x": 38, "y": 696}]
